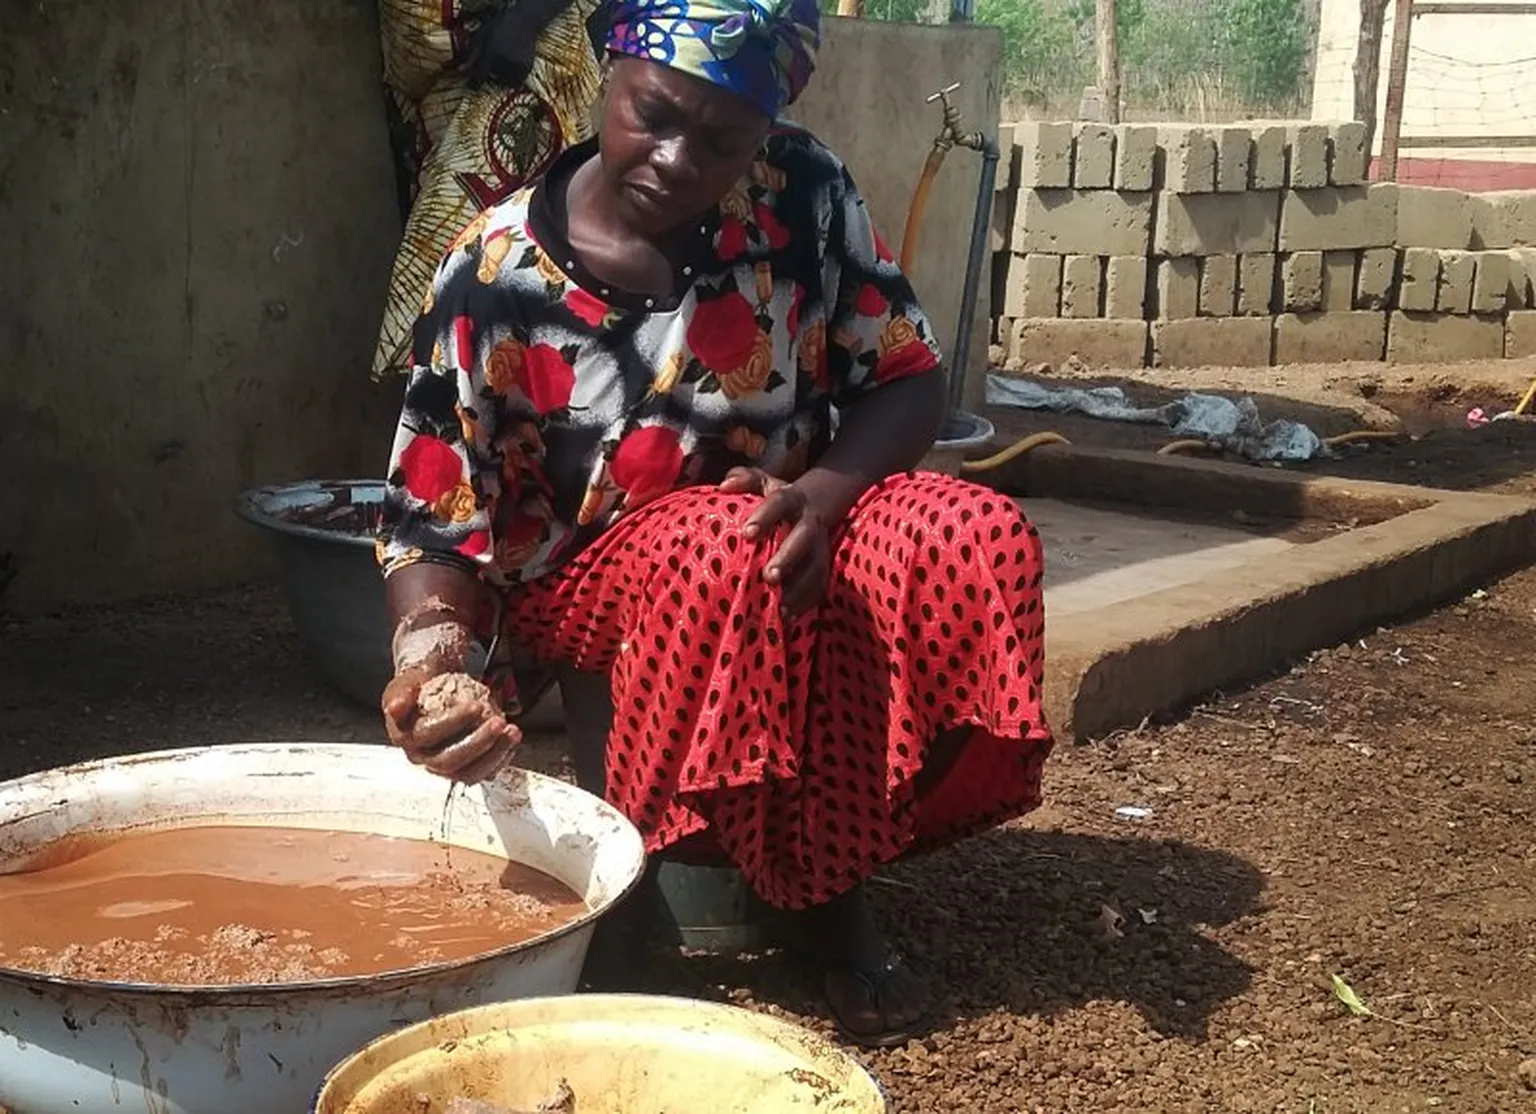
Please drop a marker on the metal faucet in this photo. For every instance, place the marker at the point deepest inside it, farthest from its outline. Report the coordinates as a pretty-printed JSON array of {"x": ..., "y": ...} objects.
[{"x": 950, "y": 134}]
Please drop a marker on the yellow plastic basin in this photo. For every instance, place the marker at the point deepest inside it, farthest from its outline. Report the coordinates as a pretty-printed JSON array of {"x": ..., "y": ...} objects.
[{"x": 620, "y": 1054}]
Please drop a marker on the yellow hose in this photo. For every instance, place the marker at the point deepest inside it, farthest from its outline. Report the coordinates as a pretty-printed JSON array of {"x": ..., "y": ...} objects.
[
  {"x": 1530, "y": 394},
  {"x": 917, "y": 208},
  {"x": 1017, "y": 449},
  {"x": 1362, "y": 435},
  {"x": 1188, "y": 445},
  {"x": 1173, "y": 448}
]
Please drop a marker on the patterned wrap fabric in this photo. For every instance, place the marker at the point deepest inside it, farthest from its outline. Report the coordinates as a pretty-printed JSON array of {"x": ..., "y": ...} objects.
[
  {"x": 762, "y": 50},
  {"x": 463, "y": 149}
]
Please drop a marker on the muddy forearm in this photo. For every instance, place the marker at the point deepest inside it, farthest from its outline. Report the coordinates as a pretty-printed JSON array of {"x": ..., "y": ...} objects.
[
  {"x": 885, "y": 432},
  {"x": 433, "y": 611}
]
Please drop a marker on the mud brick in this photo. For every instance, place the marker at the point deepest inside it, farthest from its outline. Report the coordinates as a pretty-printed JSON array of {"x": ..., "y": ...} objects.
[
  {"x": 1082, "y": 286},
  {"x": 1234, "y": 158},
  {"x": 1218, "y": 285},
  {"x": 1187, "y": 157},
  {"x": 1044, "y": 153},
  {"x": 1255, "y": 284},
  {"x": 1327, "y": 338},
  {"x": 1217, "y": 223},
  {"x": 1347, "y": 158},
  {"x": 1301, "y": 281},
  {"x": 1337, "y": 218},
  {"x": 1178, "y": 288},
  {"x": 1135, "y": 157},
  {"x": 1034, "y": 286},
  {"x": 1125, "y": 287},
  {"x": 1419, "y": 338},
  {"x": 1098, "y": 343},
  {"x": 1454, "y": 287},
  {"x": 1339, "y": 281},
  {"x": 1419, "y": 285},
  {"x": 1082, "y": 222},
  {"x": 1093, "y": 161},
  {"x": 1212, "y": 341},
  {"x": 1308, "y": 163},
  {"x": 1491, "y": 283},
  {"x": 1376, "y": 279}
]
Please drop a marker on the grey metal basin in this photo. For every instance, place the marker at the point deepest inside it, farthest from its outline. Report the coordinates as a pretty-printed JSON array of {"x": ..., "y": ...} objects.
[{"x": 322, "y": 535}]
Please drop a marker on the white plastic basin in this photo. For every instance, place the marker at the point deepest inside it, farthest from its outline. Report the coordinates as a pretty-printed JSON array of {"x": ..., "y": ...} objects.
[{"x": 70, "y": 1045}]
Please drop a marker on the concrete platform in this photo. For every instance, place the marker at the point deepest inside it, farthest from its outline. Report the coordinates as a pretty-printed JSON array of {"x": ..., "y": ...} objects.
[
  {"x": 1168, "y": 578},
  {"x": 1099, "y": 557}
]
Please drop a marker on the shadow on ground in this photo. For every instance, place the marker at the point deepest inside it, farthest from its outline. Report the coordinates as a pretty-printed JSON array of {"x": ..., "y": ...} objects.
[{"x": 1014, "y": 921}]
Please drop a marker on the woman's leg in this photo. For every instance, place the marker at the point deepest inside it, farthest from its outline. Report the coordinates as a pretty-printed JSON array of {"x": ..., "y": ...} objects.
[{"x": 799, "y": 747}]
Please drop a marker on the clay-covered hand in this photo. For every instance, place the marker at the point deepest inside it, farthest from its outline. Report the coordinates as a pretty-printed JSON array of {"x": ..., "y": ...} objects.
[
  {"x": 448, "y": 722},
  {"x": 802, "y": 562}
]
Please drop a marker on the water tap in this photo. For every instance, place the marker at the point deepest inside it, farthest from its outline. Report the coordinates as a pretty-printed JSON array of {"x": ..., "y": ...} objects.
[{"x": 950, "y": 134}]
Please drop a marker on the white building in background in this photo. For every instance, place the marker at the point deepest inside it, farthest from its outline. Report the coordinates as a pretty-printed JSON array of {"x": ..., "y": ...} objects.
[{"x": 1468, "y": 75}]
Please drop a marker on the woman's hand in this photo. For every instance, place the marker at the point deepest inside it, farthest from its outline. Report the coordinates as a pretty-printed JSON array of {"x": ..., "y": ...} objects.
[
  {"x": 433, "y": 710},
  {"x": 802, "y": 563},
  {"x": 460, "y": 735}
]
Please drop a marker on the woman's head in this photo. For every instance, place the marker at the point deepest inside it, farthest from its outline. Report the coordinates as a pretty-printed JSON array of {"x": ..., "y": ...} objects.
[{"x": 694, "y": 87}]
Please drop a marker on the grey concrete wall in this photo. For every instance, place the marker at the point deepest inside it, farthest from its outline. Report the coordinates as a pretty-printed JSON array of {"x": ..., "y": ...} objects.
[
  {"x": 867, "y": 102},
  {"x": 198, "y": 217}
]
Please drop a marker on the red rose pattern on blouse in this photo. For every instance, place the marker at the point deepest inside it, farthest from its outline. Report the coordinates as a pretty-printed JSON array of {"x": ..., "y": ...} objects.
[{"x": 540, "y": 410}]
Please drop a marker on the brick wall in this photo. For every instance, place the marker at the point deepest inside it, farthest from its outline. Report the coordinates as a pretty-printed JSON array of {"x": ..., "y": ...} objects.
[{"x": 1246, "y": 245}]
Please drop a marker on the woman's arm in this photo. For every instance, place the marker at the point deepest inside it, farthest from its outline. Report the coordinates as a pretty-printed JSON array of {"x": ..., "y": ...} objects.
[
  {"x": 885, "y": 431},
  {"x": 436, "y": 537},
  {"x": 882, "y": 366}
]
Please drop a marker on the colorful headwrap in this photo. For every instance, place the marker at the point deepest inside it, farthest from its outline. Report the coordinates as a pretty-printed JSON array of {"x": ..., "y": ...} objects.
[{"x": 761, "y": 50}]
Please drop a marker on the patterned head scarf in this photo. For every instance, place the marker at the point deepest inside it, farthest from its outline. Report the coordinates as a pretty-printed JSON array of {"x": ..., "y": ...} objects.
[{"x": 761, "y": 50}]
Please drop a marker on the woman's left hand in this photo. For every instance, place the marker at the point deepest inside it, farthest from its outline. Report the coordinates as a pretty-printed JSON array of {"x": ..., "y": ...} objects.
[{"x": 802, "y": 563}]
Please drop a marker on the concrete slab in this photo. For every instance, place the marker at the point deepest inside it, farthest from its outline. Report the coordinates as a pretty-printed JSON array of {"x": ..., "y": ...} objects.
[
  {"x": 1099, "y": 556},
  {"x": 1249, "y": 569}
]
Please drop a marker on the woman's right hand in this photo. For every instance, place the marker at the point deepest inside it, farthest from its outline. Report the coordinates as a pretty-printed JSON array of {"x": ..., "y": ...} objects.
[{"x": 468, "y": 741}]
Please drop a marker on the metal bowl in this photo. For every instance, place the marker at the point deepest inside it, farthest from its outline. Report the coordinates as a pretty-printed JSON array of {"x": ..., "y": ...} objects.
[
  {"x": 329, "y": 575},
  {"x": 961, "y": 434},
  {"x": 79, "y": 1044}
]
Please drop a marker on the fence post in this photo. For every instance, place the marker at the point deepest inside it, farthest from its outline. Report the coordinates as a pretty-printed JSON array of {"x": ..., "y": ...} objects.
[
  {"x": 1373, "y": 19},
  {"x": 1397, "y": 81},
  {"x": 1107, "y": 35}
]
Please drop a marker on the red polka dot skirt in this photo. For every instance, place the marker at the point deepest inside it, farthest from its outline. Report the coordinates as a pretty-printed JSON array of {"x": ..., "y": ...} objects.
[{"x": 793, "y": 747}]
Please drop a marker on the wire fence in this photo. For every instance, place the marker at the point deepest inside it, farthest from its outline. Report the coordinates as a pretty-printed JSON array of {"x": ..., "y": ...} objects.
[
  {"x": 1181, "y": 59},
  {"x": 1469, "y": 74},
  {"x": 1468, "y": 96}
]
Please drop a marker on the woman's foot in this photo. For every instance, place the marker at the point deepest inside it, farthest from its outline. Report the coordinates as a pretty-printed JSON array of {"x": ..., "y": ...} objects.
[{"x": 875, "y": 998}]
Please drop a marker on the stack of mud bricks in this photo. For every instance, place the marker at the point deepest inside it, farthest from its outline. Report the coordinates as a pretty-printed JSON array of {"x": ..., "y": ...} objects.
[
  {"x": 1250, "y": 244},
  {"x": 1465, "y": 268}
]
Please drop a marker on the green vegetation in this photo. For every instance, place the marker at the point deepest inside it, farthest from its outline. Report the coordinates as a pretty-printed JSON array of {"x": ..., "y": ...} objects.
[{"x": 1206, "y": 57}]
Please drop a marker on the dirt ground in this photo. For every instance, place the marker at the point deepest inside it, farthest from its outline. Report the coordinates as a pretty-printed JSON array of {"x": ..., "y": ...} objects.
[
  {"x": 1426, "y": 405},
  {"x": 1368, "y": 814}
]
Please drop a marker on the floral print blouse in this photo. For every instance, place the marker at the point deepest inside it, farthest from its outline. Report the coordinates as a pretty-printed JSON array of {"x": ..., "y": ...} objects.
[{"x": 543, "y": 405}]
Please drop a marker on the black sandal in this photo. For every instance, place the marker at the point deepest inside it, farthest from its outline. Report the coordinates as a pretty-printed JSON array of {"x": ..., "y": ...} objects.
[{"x": 873, "y": 985}]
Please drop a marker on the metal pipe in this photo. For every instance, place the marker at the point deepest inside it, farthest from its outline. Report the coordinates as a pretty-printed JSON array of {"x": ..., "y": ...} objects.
[{"x": 980, "y": 229}]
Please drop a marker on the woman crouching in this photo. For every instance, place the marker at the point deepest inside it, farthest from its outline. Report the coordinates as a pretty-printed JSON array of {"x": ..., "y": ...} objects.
[{"x": 617, "y": 446}]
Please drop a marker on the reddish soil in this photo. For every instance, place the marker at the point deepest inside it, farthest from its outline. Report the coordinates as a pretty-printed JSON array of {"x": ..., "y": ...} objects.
[{"x": 1367, "y": 814}]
